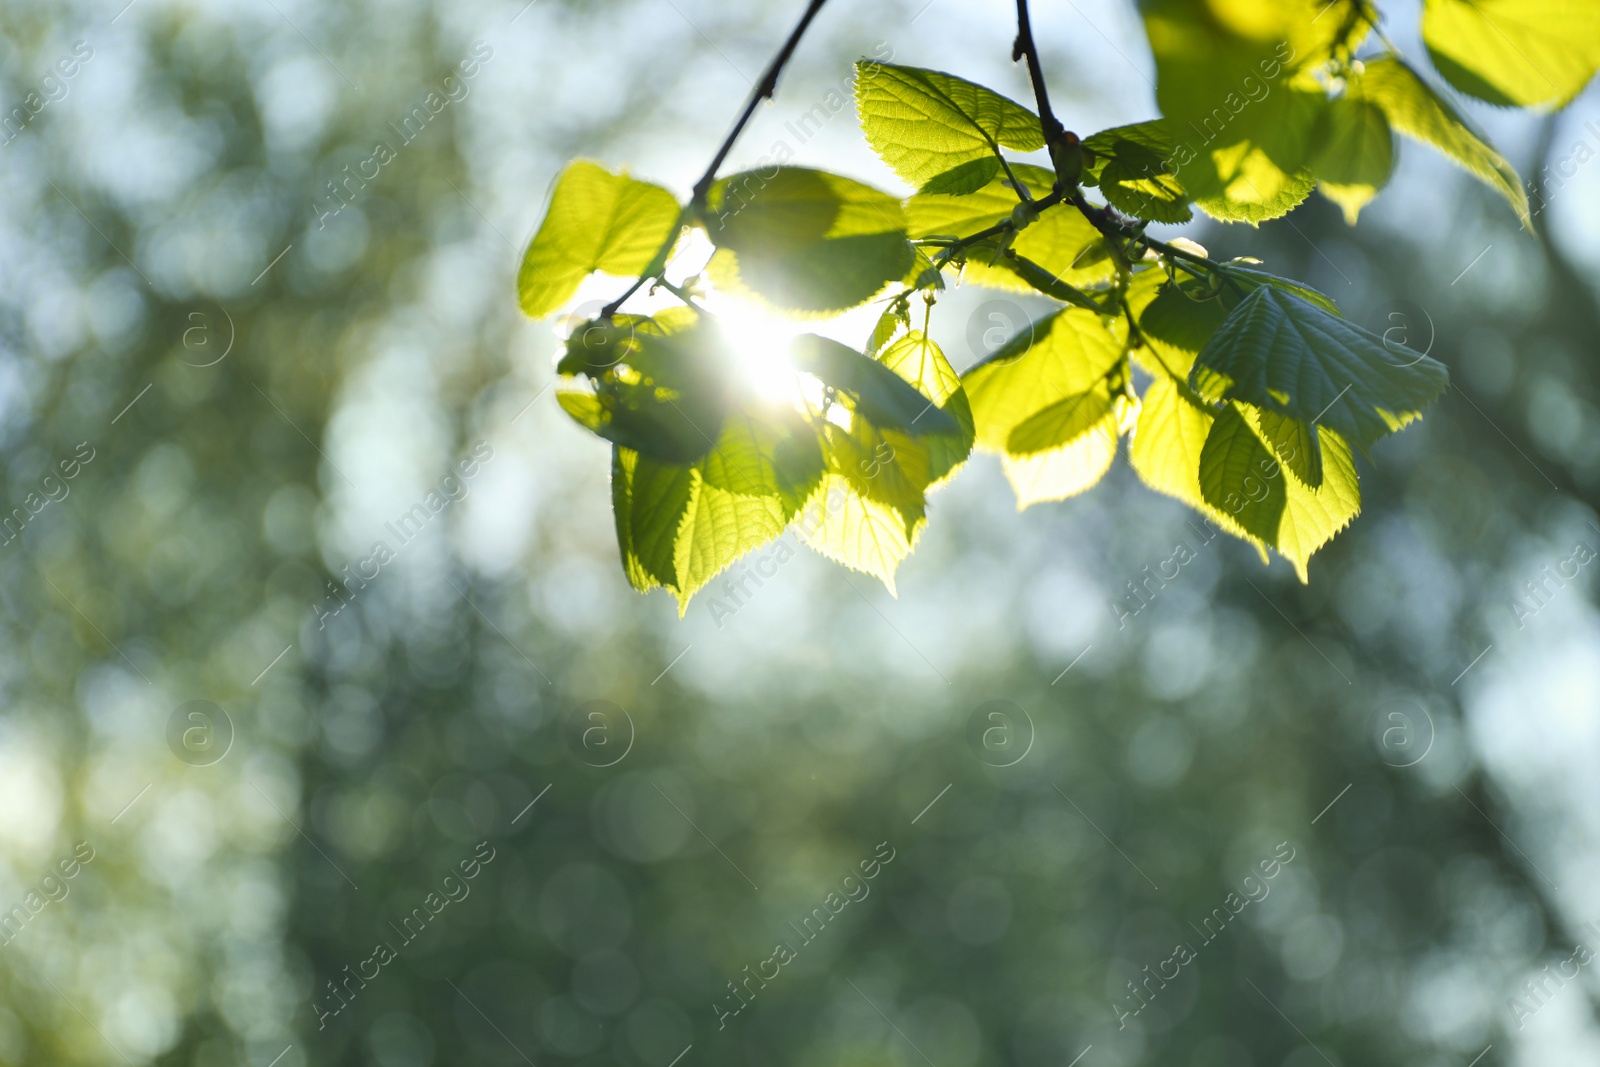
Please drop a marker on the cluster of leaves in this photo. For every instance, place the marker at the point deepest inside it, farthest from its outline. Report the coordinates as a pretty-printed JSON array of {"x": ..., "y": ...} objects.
[{"x": 1245, "y": 394}]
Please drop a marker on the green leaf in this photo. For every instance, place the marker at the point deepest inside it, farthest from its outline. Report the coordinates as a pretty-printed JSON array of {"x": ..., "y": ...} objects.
[
  {"x": 766, "y": 452},
  {"x": 1515, "y": 53},
  {"x": 1060, "y": 423},
  {"x": 874, "y": 389},
  {"x": 864, "y": 534},
  {"x": 649, "y": 500},
  {"x": 1355, "y": 154},
  {"x": 658, "y": 385},
  {"x": 1417, "y": 111},
  {"x": 924, "y": 123},
  {"x": 894, "y": 319},
  {"x": 805, "y": 241},
  {"x": 964, "y": 178},
  {"x": 1241, "y": 115},
  {"x": 1294, "y": 443},
  {"x": 930, "y": 214},
  {"x": 1063, "y": 355},
  {"x": 1240, "y": 476},
  {"x": 1059, "y": 473},
  {"x": 679, "y": 525},
  {"x": 1060, "y": 242},
  {"x": 1284, "y": 354},
  {"x": 920, "y": 362},
  {"x": 1177, "y": 326},
  {"x": 1167, "y": 444},
  {"x": 1134, "y": 171},
  {"x": 873, "y": 505},
  {"x": 598, "y": 220},
  {"x": 1251, "y": 279}
]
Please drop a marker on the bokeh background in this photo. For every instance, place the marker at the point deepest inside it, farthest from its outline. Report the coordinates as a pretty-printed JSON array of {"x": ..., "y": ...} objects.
[{"x": 264, "y": 386}]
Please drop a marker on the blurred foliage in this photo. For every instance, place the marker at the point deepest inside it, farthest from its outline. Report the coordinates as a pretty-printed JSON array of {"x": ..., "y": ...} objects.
[{"x": 775, "y": 751}]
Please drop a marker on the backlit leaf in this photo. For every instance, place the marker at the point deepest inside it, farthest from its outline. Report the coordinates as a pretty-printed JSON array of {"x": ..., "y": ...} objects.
[
  {"x": 1059, "y": 473},
  {"x": 597, "y": 220},
  {"x": 1240, "y": 476},
  {"x": 1135, "y": 171},
  {"x": 875, "y": 390},
  {"x": 679, "y": 525},
  {"x": 1284, "y": 354},
  {"x": 1515, "y": 53},
  {"x": 1240, "y": 113},
  {"x": 925, "y": 123},
  {"x": 920, "y": 362},
  {"x": 1060, "y": 423},
  {"x": 805, "y": 241},
  {"x": 657, "y": 385},
  {"x": 1062, "y": 355},
  {"x": 1355, "y": 154},
  {"x": 1166, "y": 447},
  {"x": 1416, "y": 110}
]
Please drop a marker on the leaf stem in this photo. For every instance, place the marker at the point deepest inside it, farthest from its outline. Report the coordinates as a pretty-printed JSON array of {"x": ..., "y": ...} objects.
[
  {"x": 1112, "y": 227},
  {"x": 953, "y": 248},
  {"x": 762, "y": 90}
]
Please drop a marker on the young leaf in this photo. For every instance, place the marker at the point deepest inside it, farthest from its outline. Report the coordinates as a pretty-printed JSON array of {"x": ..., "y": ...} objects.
[
  {"x": 1240, "y": 476},
  {"x": 679, "y": 525},
  {"x": 598, "y": 220},
  {"x": 920, "y": 362},
  {"x": 1355, "y": 154},
  {"x": 1515, "y": 53},
  {"x": 1177, "y": 326},
  {"x": 873, "y": 505},
  {"x": 805, "y": 241},
  {"x": 659, "y": 385},
  {"x": 1295, "y": 444},
  {"x": 1166, "y": 448},
  {"x": 1284, "y": 354},
  {"x": 874, "y": 389},
  {"x": 865, "y": 535},
  {"x": 1060, "y": 423},
  {"x": 649, "y": 500},
  {"x": 1061, "y": 243},
  {"x": 1062, "y": 355},
  {"x": 1135, "y": 172},
  {"x": 1417, "y": 111},
  {"x": 964, "y": 178},
  {"x": 1250, "y": 280},
  {"x": 930, "y": 213},
  {"x": 925, "y": 124},
  {"x": 1065, "y": 471},
  {"x": 1241, "y": 115}
]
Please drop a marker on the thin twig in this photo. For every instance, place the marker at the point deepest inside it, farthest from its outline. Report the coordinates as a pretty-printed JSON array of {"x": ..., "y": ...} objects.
[
  {"x": 762, "y": 91},
  {"x": 1025, "y": 48}
]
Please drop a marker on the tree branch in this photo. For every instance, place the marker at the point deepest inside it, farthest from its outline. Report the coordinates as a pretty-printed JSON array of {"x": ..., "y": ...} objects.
[
  {"x": 1025, "y": 48},
  {"x": 763, "y": 90}
]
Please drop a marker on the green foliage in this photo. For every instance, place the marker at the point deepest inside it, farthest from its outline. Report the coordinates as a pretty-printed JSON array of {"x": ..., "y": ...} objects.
[
  {"x": 1354, "y": 155},
  {"x": 805, "y": 241},
  {"x": 1515, "y": 53},
  {"x": 1133, "y": 168},
  {"x": 1281, "y": 353},
  {"x": 659, "y": 385},
  {"x": 937, "y": 131},
  {"x": 1415, "y": 109},
  {"x": 597, "y": 220},
  {"x": 1245, "y": 394}
]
